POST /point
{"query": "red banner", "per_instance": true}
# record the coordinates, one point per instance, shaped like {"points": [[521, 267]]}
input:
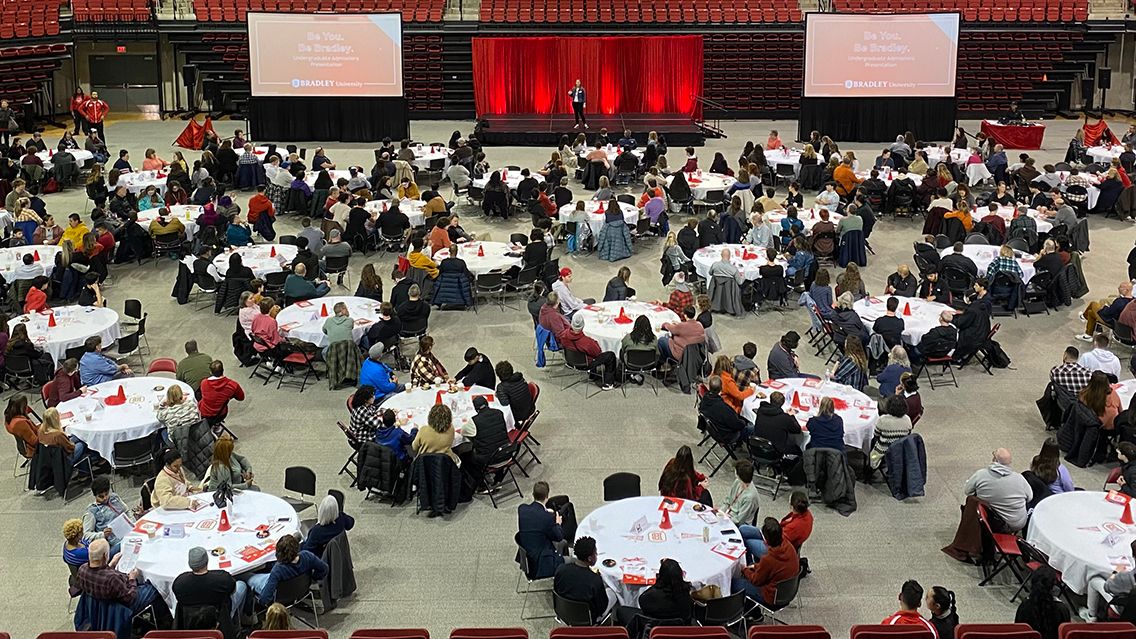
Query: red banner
{"points": [[621, 75]]}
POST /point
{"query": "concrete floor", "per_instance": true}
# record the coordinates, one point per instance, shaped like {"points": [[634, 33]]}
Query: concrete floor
{"points": [[441, 574]]}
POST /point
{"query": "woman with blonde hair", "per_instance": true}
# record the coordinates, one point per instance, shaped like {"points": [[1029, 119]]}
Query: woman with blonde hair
{"points": [[849, 155], [735, 390], [438, 437], [178, 416], [276, 618], [229, 467], [673, 252], [74, 546], [51, 434], [808, 155]]}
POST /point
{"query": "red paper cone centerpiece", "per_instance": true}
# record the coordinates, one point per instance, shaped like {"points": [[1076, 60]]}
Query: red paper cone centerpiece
{"points": [[600, 209], [121, 393], [1126, 516], [438, 398], [797, 401], [907, 308], [666, 523], [223, 524], [51, 320], [35, 256], [481, 251], [323, 310], [272, 252]]}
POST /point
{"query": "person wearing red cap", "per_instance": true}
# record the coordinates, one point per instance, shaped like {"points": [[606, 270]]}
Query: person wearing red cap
{"points": [[569, 303]]}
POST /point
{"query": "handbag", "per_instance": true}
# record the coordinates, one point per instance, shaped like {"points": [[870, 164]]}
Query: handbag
{"points": [[707, 593], [13, 126]]}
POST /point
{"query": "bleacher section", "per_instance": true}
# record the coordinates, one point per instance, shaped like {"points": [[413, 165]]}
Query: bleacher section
{"points": [[111, 10], [25, 72], [977, 10], [214, 11], [636, 12], [994, 68], [28, 19], [734, 60]]}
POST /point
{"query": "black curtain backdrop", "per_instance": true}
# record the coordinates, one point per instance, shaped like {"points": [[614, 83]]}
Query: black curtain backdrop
{"points": [[328, 119], [877, 119]]}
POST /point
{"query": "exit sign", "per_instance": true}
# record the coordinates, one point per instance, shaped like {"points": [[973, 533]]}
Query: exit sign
{"points": [[120, 49]]}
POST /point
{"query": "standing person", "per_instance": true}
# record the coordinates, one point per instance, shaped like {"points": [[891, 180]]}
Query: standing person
{"points": [[7, 118], [579, 103], [77, 100], [95, 111]]}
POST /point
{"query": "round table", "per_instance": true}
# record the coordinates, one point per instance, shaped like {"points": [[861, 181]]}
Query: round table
{"points": [[412, 209], [1093, 189], [612, 153], [413, 407], [924, 315], [304, 320], [1104, 155], [935, 155], [1125, 390], [1007, 213], [627, 532], [703, 183], [90, 419], [311, 175], [858, 411], [596, 219], [137, 181], [73, 325], [12, 258], [888, 176], [499, 256], [259, 258], [424, 156], [808, 217], [187, 213], [81, 157], [784, 155], [161, 559], [600, 324], [1071, 528], [984, 254], [747, 259], [510, 178]]}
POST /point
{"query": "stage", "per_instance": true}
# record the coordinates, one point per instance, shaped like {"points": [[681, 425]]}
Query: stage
{"points": [[540, 129]]}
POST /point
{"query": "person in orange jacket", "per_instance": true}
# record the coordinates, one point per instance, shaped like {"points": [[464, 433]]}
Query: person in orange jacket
{"points": [[734, 391], [759, 581]]}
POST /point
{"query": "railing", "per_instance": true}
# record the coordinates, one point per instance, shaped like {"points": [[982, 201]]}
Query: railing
{"points": [[715, 129]]}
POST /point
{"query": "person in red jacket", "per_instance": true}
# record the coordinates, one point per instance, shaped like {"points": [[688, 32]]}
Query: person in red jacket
{"points": [[680, 335], [575, 339], [262, 214], [780, 563], [910, 598], [66, 384], [77, 100], [216, 392], [36, 299], [94, 111]]}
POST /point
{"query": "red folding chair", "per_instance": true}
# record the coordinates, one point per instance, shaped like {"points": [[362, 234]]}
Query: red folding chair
{"points": [[162, 365], [689, 632], [788, 632], [184, 634], [489, 633], [1109, 630], [995, 631], [308, 633], [76, 634], [391, 633], [588, 632], [863, 631], [1005, 547]]}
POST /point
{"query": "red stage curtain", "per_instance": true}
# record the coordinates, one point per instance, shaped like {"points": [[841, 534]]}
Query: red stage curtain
{"points": [[656, 74]]}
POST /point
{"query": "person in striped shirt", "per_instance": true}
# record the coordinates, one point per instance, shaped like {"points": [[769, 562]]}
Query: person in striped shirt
{"points": [[910, 598]]}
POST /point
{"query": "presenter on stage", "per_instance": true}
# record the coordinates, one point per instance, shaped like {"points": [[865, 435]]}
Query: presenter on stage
{"points": [[579, 101]]}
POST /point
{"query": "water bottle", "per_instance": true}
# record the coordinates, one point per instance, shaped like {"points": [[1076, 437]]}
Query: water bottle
{"points": [[827, 374]]}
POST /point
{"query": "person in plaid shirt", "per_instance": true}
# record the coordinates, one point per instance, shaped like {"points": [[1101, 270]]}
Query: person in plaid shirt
{"points": [[1069, 375], [1005, 263], [100, 579], [681, 297]]}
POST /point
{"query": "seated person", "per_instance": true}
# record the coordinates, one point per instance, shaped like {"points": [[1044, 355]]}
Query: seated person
{"points": [[679, 479], [379, 376], [910, 598], [668, 598], [901, 282], [796, 528], [539, 534], [290, 562], [742, 501], [577, 580], [101, 580], [330, 523], [601, 364], [297, 286], [714, 408], [934, 290], [96, 368], [894, 425], [201, 588], [776, 425], [941, 340], [478, 370], [890, 326], [107, 507], [780, 562]]}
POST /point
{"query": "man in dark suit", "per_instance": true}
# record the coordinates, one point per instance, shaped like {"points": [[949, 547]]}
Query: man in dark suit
{"points": [[539, 534], [487, 432], [956, 259], [776, 425], [577, 581], [715, 409]]}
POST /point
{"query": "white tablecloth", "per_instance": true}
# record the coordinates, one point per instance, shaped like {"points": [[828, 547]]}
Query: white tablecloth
{"points": [[702, 183], [258, 258], [690, 541], [984, 254], [808, 217], [12, 258], [412, 209], [137, 181], [510, 178], [81, 157], [1104, 155], [186, 213], [595, 219], [612, 153], [1007, 213], [784, 155], [1071, 528], [73, 325], [705, 257], [859, 413], [164, 558], [311, 174], [424, 155], [924, 315], [600, 324], [497, 256], [977, 173], [101, 426], [1126, 390], [1093, 189], [413, 407], [887, 177], [304, 320], [935, 155]]}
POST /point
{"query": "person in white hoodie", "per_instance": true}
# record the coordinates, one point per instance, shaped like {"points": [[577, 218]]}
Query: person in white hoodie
{"points": [[1004, 491], [1100, 358]]}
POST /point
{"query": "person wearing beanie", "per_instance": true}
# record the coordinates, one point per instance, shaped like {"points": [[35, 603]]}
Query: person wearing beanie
{"points": [[478, 370], [200, 587], [601, 363], [569, 303]]}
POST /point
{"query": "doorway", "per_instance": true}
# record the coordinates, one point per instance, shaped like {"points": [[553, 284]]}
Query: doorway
{"points": [[128, 83]]}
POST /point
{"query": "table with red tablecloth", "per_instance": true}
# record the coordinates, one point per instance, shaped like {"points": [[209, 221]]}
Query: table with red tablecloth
{"points": [[1015, 136]]}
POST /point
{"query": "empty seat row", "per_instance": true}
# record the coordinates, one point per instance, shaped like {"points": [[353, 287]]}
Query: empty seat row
{"points": [[32, 19], [237, 10], [625, 11], [111, 10]]}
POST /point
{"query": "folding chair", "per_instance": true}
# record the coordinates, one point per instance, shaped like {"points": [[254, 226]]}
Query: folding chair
{"points": [[1004, 547]]}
